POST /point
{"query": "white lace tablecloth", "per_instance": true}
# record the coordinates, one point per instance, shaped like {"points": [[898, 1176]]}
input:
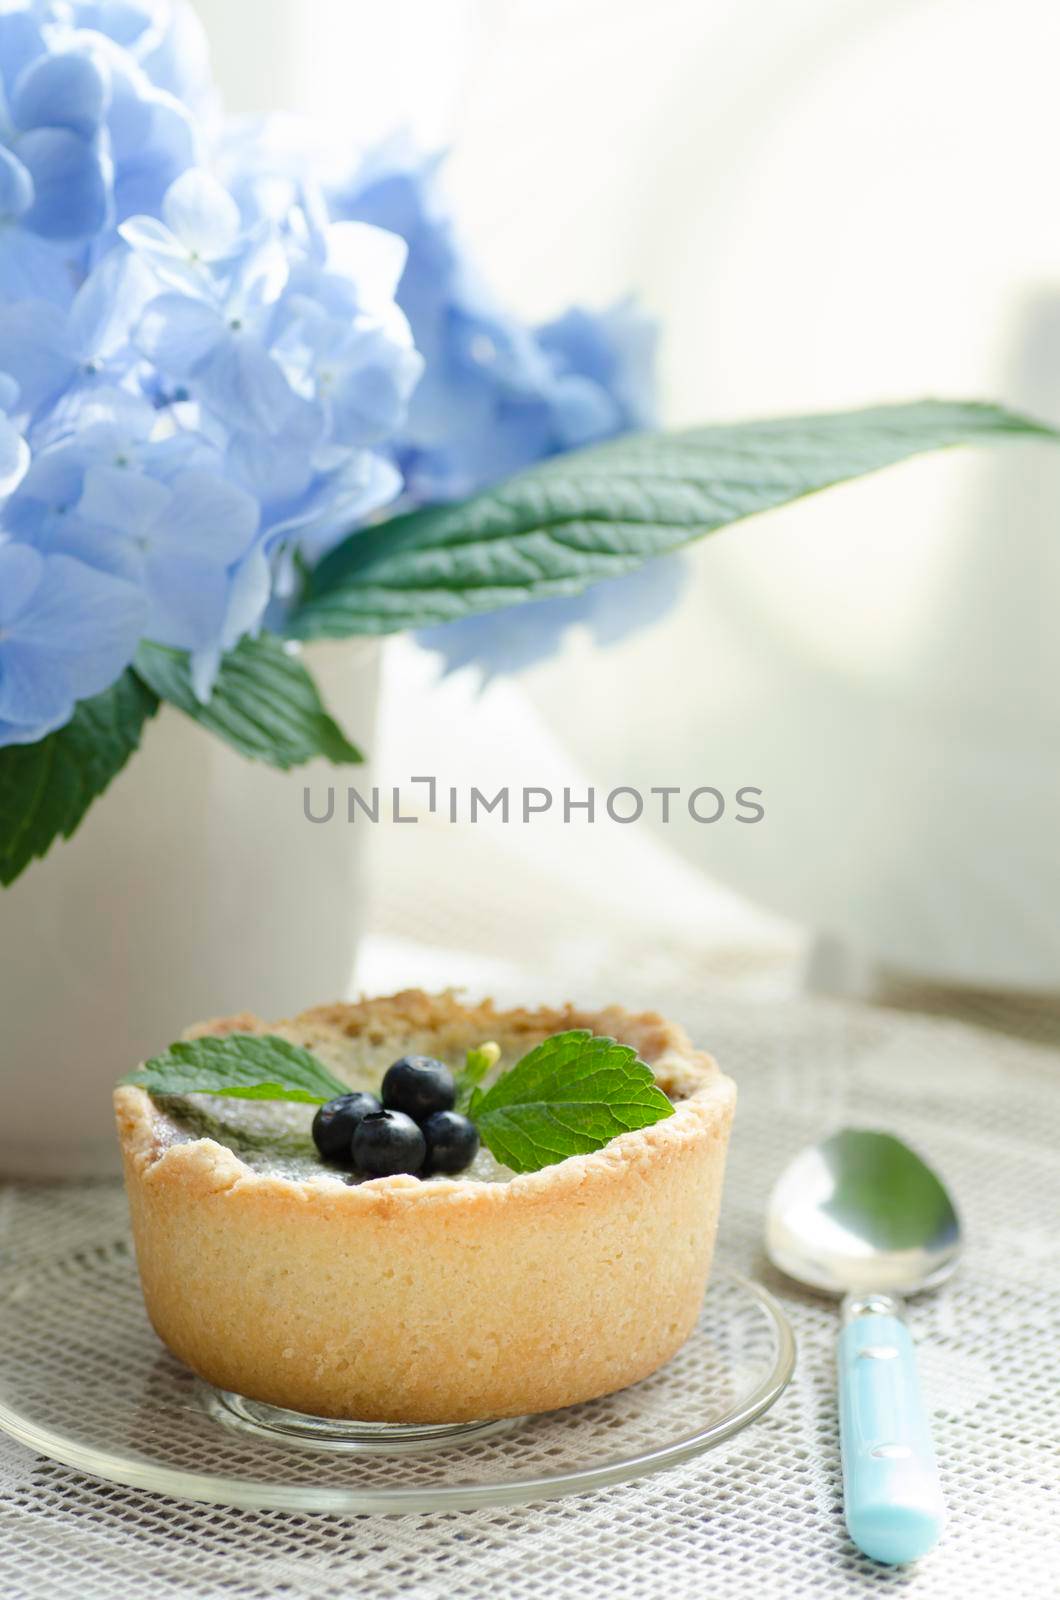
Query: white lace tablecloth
{"points": [[760, 1516]]}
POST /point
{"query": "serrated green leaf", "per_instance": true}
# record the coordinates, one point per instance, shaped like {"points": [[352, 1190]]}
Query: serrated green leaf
{"points": [[597, 513], [264, 702], [570, 1095], [241, 1066], [46, 788]]}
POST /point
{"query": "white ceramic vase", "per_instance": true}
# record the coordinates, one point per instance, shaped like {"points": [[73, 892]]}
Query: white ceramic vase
{"points": [[194, 887]]}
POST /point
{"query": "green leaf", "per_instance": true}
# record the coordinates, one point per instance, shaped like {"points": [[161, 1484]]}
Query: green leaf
{"points": [[570, 1095], [478, 1064], [46, 788], [600, 512], [264, 702], [241, 1066]]}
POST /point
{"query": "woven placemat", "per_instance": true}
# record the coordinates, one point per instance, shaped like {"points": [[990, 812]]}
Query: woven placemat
{"points": [[761, 1516]]}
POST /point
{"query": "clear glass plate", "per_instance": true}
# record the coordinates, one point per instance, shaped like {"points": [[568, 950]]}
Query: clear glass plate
{"points": [[84, 1381]]}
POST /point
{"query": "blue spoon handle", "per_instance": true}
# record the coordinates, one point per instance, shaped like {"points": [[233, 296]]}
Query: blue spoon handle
{"points": [[893, 1501]]}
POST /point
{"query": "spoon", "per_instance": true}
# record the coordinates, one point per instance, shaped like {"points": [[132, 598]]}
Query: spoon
{"points": [[859, 1215]]}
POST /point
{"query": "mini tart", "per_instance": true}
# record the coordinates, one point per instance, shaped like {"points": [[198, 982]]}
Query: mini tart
{"points": [[445, 1301]]}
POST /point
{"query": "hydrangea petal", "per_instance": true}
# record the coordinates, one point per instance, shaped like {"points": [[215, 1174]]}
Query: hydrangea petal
{"points": [[20, 43], [613, 349], [109, 304], [35, 348], [277, 471], [243, 384], [16, 186], [14, 456], [123, 502], [32, 269], [162, 253], [29, 691], [178, 333], [370, 394], [157, 142], [202, 215], [95, 546], [187, 602], [341, 502], [583, 411], [166, 39], [74, 634], [60, 91], [123, 21], [112, 418], [259, 278], [207, 518], [32, 732], [248, 596], [232, 371], [174, 53], [21, 570], [51, 485], [370, 257], [70, 180], [85, 615]]}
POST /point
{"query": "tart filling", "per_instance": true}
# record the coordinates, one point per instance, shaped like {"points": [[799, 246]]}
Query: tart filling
{"points": [[443, 1299], [277, 1136]]}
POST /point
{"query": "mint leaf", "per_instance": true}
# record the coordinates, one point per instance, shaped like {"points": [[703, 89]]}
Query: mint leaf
{"points": [[596, 513], [476, 1067], [243, 1066], [570, 1095], [46, 788], [264, 703]]}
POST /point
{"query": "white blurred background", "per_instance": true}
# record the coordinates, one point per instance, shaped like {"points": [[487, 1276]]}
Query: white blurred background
{"points": [[827, 203]]}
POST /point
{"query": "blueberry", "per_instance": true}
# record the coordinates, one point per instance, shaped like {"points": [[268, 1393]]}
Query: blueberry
{"points": [[334, 1124], [385, 1142], [418, 1086], [452, 1141]]}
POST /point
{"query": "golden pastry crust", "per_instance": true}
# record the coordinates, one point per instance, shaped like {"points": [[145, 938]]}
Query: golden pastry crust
{"points": [[449, 1301]]}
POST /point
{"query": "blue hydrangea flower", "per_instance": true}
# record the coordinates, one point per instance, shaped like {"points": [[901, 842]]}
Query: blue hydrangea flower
{"points": [[291, 341], [206, 411], [160, 513], [54, 351], [205, 384], [497, 396]]}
